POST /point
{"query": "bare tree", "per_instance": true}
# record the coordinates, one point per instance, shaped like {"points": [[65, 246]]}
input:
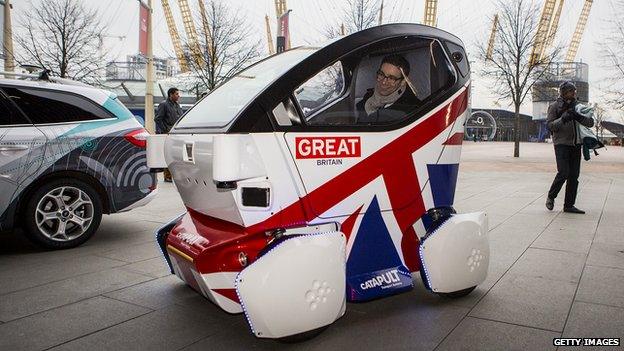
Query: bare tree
{"points": [[599, 117], [613, 57], [62, 36], [509, 65], [357, 15], [224, 46]]}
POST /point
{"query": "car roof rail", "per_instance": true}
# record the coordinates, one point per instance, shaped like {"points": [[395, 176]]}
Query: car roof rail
{"points": [[42, 75], [67, 81], [19, 75]]}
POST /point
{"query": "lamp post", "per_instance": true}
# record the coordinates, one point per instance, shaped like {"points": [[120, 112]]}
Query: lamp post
{"points": [[149, 79], [9, 62]]}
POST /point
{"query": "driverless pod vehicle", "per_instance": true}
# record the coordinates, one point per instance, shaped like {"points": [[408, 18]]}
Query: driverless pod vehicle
{"points": [[68, 153], [295, 205]]}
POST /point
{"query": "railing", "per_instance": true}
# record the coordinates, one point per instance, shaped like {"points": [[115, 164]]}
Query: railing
{"points": [[131, 71], [561, 71]]}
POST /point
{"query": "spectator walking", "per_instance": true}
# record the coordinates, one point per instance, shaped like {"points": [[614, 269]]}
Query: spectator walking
{"points": [[167, 114], [562, 120]]}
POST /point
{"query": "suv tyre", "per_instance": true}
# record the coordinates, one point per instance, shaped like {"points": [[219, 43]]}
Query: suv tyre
{"points": [[62, 214]]}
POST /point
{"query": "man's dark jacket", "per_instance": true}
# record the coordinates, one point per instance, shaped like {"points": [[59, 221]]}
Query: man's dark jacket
{"points": [[167, 114], [564, 133], [405, 104]]}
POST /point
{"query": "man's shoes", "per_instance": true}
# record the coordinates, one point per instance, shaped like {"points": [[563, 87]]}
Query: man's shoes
{"points": [[550, 203], [573, 209], [167, 175]]}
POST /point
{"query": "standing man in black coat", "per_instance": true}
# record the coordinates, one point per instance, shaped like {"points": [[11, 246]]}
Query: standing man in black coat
{"points": [[167, 114], [562, 119]]}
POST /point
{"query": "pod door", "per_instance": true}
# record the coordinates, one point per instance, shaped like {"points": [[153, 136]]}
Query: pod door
{"points": [[362, 131]]}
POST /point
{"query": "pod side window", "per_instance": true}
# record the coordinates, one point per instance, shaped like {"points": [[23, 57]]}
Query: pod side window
{"points": [[381, 85]]}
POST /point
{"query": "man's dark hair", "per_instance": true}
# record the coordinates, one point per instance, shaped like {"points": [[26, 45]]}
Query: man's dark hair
{"points": [[399, 61], [171, 91], [565, 87]]}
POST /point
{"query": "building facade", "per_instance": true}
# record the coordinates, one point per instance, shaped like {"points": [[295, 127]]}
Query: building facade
{"points": [[500, 125]]}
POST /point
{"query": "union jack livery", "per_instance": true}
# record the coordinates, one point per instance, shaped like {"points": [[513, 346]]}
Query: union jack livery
{"points": [[299, 200]]}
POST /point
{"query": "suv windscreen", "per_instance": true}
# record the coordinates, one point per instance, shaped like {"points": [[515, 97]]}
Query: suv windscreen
{"points": [[224, 103], [47, 106]]}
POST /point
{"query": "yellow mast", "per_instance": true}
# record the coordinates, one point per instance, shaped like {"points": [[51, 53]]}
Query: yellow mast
{"points": [[552, 32], [191, 33], [490, 48], [269, 36], [431, 12], [207, 34], [280, 7], [175, 37], [578, 32], [542, 32]]}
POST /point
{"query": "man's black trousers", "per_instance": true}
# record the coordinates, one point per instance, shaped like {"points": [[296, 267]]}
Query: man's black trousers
{"points": [[568, 168]]}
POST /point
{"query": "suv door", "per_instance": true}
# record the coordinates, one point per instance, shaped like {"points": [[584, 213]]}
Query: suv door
{"points": [[22, 146]]}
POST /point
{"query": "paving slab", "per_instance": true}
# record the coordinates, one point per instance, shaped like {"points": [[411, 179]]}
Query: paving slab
{"points": [[170, 328], [610, 234], [510, 235], [528, 301], [580, 225], [403, 325], [17, 251], [594, 321], [124, 225], [496, 270], [23, 277], [606, 255], [155, 294], [238, 337], [564, 240], [508, 205], [482, 335], [134, 253], [602, 285], [59, 325], [550, 264], [494, 220], [155, 267], [41, 298]]}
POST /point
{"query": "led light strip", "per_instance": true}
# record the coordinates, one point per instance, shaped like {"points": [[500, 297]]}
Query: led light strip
{"points": [[166, 254], [420, 250]]}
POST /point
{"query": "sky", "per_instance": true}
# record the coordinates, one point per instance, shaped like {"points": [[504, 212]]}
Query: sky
{"points": [[470, 20]]}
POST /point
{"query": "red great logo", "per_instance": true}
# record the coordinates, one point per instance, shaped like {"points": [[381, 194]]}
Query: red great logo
{"points": [[327, 147]]}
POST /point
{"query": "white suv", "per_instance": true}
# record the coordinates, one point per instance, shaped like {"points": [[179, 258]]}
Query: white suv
{"points": [[68, 153]]}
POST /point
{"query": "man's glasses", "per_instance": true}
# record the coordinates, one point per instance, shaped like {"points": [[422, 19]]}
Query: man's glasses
{"points": [[392, 79]]}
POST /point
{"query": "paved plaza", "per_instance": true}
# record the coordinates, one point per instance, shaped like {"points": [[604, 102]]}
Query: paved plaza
{"points": [[552, 274]]}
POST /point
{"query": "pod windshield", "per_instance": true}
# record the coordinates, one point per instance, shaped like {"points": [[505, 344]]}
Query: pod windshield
{"points": [[223, 104]]}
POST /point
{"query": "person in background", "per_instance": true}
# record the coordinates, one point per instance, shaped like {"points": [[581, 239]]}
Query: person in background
{"points": [[167, 114], [562, 119]]}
